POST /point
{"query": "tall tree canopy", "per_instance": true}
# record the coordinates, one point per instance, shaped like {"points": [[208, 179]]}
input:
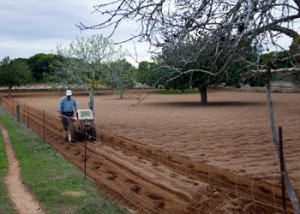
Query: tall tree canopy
{"points": [[147, 73], [39, 65], [14, 73]]}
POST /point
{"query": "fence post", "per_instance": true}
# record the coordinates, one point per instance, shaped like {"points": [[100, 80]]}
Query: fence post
{"points": [[44, 126], [282, 170], [28, 116], [0, 101], [24, 114], [18, 112], [85, 158]]}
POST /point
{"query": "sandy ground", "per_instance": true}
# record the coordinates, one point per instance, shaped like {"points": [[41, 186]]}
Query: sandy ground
{"points": [[23, 201], [232, 132]]}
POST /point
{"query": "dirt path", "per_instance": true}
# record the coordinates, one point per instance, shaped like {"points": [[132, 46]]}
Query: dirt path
{"points": [[23, 200]]}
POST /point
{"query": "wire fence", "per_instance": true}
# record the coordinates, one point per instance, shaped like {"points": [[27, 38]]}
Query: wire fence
{"points": [[217, 190]]}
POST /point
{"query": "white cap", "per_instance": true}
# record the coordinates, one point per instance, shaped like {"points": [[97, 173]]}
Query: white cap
{"points": [[69, 93]]}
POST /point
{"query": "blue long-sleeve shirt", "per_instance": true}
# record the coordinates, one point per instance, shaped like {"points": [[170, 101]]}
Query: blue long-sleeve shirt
{"points": [[66, 105]]}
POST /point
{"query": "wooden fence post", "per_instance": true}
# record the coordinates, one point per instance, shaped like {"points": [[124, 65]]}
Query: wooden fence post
{"points": [[24, 114], [44, 126], [282, 170], [28, 116], [18, 113], [85, 159]]}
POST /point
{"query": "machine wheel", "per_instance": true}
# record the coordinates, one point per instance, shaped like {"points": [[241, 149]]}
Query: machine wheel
{"points": [[72, 133], [92, 133], [80, 136]]}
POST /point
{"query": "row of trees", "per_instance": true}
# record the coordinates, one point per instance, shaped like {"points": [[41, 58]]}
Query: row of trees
{"points": [[87, 63], [39, 64], [157, 73], [118, 73]]}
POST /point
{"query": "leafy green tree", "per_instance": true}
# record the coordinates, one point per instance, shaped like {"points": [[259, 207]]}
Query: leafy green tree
{"points": [[120, 75], [181, 73], [14, 73], [39, 64], [148, 74], [81, 65]]}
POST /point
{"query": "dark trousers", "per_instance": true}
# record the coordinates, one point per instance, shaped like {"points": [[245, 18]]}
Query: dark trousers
{"points": [[65, 120]]}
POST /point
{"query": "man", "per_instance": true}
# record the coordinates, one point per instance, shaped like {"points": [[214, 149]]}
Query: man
{"points": [[66, 109]]}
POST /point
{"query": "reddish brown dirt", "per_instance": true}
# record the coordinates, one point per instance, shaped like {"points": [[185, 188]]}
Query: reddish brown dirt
{"points": [[177, 146]]}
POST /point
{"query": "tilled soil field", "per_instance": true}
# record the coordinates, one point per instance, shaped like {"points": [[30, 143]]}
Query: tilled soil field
{"points": [[171, 155]]}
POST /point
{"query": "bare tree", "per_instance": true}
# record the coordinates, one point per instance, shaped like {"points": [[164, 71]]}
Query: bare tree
{"points": [[82, 63], [120, 75], [225, 28], [225, 25]]}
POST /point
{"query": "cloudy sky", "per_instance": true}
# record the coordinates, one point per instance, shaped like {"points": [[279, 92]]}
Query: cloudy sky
{"points": [[29, 27]]}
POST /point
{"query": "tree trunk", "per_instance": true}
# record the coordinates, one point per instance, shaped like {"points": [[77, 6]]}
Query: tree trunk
{"points": [[9, 91], [91, 92], [91, 103], [121, 93], [203, 93]]}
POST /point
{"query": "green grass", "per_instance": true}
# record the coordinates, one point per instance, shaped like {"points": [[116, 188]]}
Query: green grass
{"points": [[188, 91], [48, 174], [5, 203]]}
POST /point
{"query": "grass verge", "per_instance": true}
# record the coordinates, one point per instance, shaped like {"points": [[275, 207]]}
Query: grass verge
{"points": [[5, 203], [51, 177]]}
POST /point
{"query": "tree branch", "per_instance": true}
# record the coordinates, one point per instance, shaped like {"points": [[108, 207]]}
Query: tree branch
{"points": [[277, 71]]}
